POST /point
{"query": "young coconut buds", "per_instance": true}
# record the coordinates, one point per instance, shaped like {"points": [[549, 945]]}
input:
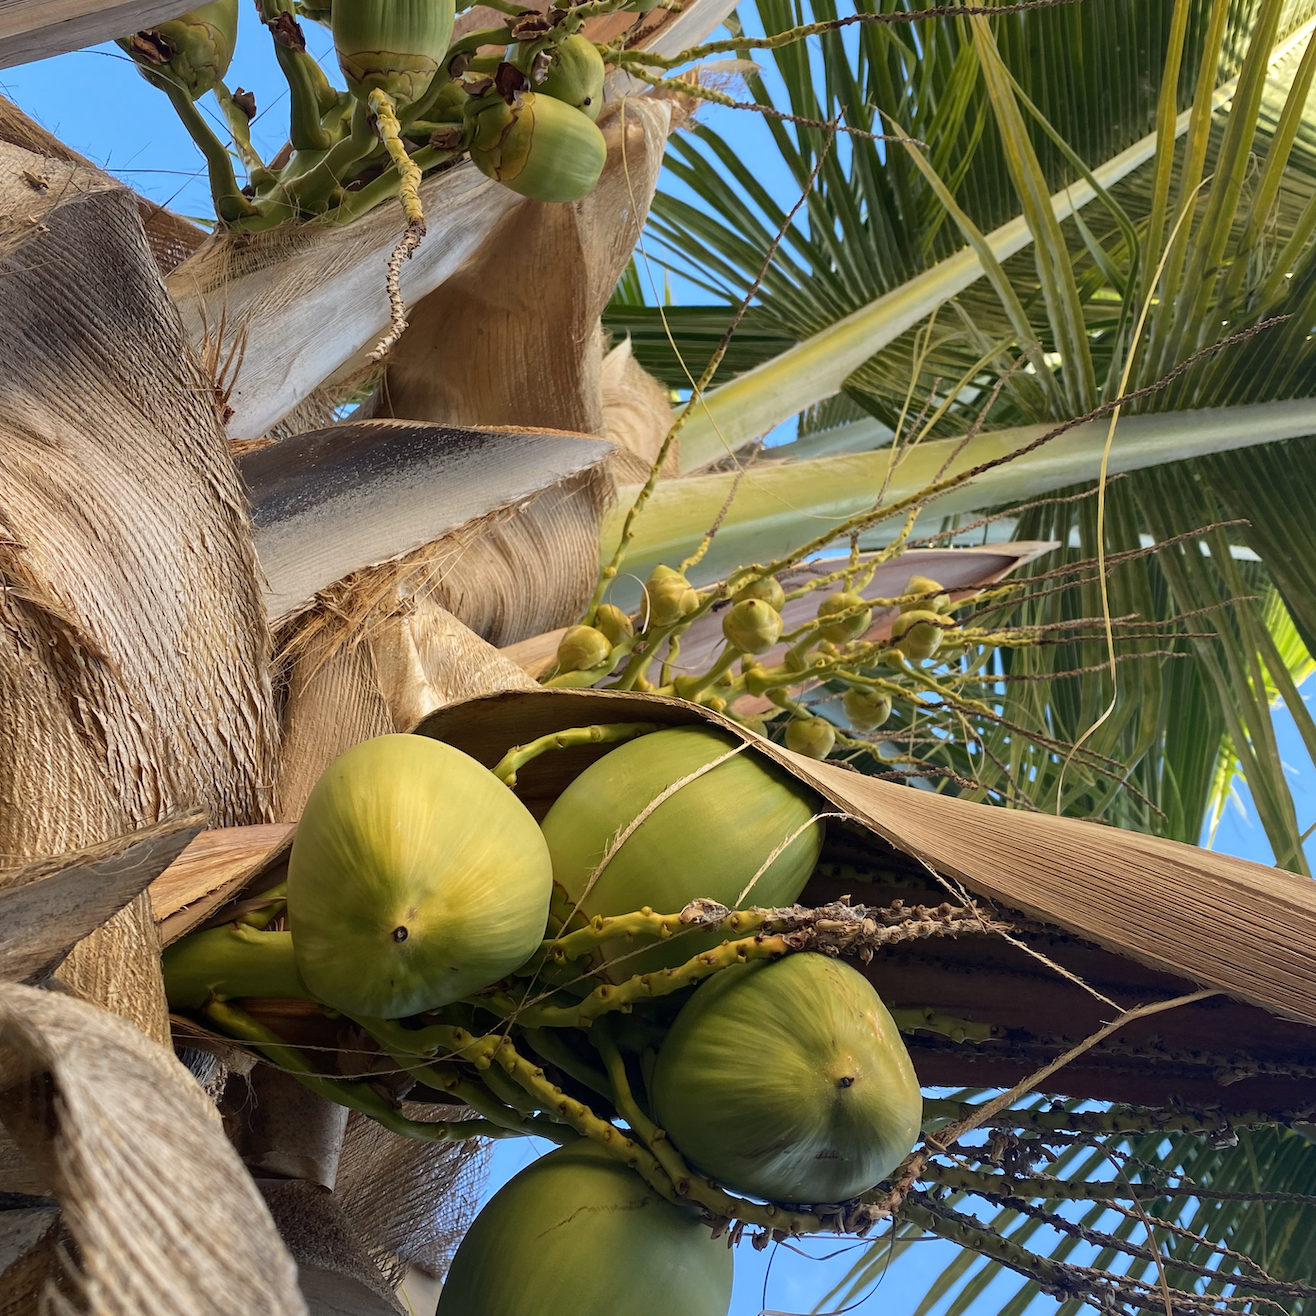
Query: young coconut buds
{"points": [[616, 1247], [670, 597], [768, 588], [416, 877], [581, 648], [845, 628], [814, 737], [926, 586], [540, 147], [614, 623], [575, 75], [866, 709], [829, 1104], [710, 838], [189, 54], [752, 626], [917, 634]]}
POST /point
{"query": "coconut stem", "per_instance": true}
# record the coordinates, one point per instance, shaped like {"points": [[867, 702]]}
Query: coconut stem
{"points": [[355, 1096], [518, 756]]}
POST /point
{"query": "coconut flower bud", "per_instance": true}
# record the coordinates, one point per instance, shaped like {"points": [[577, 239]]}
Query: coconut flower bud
{"points": [[847, 628], [614, 623], [575, 74], [752, 626], [539, 147], [916, 634], [866, 709], [192, 52], [925, 585], [768, 589], [581, 648], [812, 736], [670, 597]]}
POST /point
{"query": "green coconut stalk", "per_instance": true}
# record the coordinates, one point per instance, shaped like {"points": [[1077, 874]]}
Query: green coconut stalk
{"points": [[616, 1246], [416, 877], [190, 53], [311, 96], [616, 847], [233, 961], [789, 1081], [539, 147]]}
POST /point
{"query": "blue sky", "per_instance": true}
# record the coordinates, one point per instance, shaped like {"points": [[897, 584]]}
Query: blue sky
{"points": [[95, 101]]}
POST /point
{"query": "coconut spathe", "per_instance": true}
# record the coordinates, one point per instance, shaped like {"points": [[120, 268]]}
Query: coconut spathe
{"points": [[416, 878], [788, 1080]]}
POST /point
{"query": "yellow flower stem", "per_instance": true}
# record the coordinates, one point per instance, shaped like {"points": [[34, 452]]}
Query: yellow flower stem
{"points": [[518, 756], [390, 130], [583, 941], [608, 997], [691, 687]]}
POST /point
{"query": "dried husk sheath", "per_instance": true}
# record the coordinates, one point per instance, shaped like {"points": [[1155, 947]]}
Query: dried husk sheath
{"points": [[133, 668], [161, 1217]]}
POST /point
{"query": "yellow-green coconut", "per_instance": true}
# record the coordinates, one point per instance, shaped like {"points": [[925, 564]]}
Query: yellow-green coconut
{"points": [[788, 1080], [580, 1234], [712, 838], [416, 878]]}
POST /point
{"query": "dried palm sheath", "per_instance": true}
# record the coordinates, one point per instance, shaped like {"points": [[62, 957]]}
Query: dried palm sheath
{"points": [[209, 871], [374, 536], [533, 362], [133, 665], [637, 414], [46, 908], [500, 529], [36, 29], [1133, 917], [171, 237], [161, 1216]]}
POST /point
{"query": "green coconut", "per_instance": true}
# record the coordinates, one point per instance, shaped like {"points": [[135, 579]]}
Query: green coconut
{"points": [[416, 878], [709, 839], [540, 147], [578, 1232], [575, 74], [788, 1080]]}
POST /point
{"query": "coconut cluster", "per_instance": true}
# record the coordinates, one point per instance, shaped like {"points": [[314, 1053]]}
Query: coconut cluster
{"points": [[426, 906]]}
